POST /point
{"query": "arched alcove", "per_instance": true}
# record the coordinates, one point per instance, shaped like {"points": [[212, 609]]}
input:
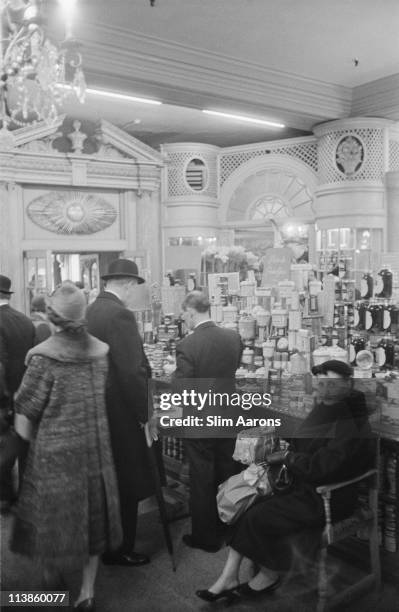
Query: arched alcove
{"points": [[275, 184]]}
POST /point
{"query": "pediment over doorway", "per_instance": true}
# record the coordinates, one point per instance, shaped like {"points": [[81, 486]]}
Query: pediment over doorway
{"points": [[102, 141]]}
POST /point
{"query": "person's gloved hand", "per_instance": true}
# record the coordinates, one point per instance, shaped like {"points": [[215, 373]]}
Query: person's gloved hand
{"points": [[277, 457]]}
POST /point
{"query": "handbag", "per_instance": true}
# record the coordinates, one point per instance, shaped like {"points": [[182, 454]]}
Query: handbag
{"points": [[280, 478], [253, 445], [240, 491]]}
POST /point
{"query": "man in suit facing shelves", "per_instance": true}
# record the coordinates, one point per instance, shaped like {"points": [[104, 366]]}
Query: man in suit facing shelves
{"points": [[211, 353], [17, 336], [111, 321]]}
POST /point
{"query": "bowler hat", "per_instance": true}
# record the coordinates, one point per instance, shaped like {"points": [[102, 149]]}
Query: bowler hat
{"points": [[5, 284], [123, 268], [333, 365]]}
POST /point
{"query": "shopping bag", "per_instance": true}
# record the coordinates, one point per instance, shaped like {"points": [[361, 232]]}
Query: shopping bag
{"points": [[253, 445], [239, 492]]}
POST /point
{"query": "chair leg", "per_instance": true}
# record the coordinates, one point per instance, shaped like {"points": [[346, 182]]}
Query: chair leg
{"points": [[374, 546], [322, 581]]}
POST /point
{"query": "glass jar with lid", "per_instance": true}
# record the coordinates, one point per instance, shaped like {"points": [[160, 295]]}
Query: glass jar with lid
{"points": [[246, 326]]}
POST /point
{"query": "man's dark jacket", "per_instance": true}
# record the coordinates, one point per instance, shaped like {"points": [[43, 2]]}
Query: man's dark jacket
{"points": [[17, 335], [210, 353], [127, 391]]}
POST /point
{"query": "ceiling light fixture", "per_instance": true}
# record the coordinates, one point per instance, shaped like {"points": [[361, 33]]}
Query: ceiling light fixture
{"points": [[33, 66], [271, 124], [120, 96]]}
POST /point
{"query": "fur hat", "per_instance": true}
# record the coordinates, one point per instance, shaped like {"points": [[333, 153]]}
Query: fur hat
{"points": [[68, 302]]}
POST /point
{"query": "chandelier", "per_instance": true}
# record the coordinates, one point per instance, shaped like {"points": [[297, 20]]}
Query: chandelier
{"points": [[37, 73]]}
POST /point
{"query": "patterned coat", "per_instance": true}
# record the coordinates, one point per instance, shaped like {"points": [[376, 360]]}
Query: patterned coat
{"points": [[68, 506]]}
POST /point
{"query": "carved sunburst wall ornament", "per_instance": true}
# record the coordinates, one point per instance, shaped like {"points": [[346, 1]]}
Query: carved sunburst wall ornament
{"points": [[71, 212]]}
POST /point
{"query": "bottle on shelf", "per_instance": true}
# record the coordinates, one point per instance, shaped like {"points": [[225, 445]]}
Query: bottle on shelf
{"points": [[366, 286], [357, 344], [192, 282], [385, 352], [170, 277], [383, 286]]}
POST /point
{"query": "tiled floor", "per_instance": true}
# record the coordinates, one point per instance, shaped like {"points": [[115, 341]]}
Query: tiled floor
{"points": [[156, 588]]}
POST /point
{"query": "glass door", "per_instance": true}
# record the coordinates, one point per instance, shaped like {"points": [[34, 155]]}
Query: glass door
{"points": [[38, 271]]}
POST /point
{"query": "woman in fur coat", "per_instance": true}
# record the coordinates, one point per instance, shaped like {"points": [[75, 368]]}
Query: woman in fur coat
{"points": [[68, 509]]}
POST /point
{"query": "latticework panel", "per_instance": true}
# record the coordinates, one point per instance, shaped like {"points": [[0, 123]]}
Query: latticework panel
{"points": [[371, 166], [305, 152], [394, 154], [177, 164]]}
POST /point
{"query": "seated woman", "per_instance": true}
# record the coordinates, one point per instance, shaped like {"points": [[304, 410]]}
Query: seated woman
{"points": [[329, 446]]}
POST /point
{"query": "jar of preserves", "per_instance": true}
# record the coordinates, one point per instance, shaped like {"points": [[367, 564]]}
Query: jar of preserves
{"points": [[262, 317], [246, 326], [247, 357]]}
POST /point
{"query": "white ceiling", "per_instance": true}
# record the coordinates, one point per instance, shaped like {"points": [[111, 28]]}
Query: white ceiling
{"points": [[287, 60]]}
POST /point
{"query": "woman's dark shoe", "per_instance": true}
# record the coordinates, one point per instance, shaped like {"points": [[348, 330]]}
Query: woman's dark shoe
{"points": [[226, 593], [246, 591], [87, 605]]}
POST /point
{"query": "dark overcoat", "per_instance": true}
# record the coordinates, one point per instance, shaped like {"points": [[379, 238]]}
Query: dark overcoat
{"points": [[330, 447], [17, 336], [68, 506], [127, 391]]}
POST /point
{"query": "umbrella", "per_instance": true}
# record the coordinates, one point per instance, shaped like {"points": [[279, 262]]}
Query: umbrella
{"points": [[159, 495]]}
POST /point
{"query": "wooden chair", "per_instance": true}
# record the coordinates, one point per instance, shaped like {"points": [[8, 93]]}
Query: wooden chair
{"points": [[334, 532]]}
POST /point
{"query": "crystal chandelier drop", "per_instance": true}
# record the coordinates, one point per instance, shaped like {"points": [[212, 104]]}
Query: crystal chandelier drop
{"points": [[37, 73]]}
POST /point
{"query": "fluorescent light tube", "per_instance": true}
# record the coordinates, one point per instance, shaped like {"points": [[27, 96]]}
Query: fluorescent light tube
{"points": [[119, 96], [247, 119]]}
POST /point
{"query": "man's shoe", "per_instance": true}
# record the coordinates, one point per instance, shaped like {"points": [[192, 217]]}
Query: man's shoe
{"points": [[132, 559], [87, 605], [210, 548]]}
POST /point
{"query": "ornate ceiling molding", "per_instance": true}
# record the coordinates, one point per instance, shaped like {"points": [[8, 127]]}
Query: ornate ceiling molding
{"points": [[182, 71], [129, 145], [380, 97], [122, 161]]}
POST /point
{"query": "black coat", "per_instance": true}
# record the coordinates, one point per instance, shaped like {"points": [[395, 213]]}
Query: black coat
{"points": [[127, 391], [210, 352], [17, 336], [330, 447]]}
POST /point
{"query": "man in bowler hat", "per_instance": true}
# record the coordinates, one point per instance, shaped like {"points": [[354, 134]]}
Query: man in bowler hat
{"points": [[111, 321], [17, 336]]}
